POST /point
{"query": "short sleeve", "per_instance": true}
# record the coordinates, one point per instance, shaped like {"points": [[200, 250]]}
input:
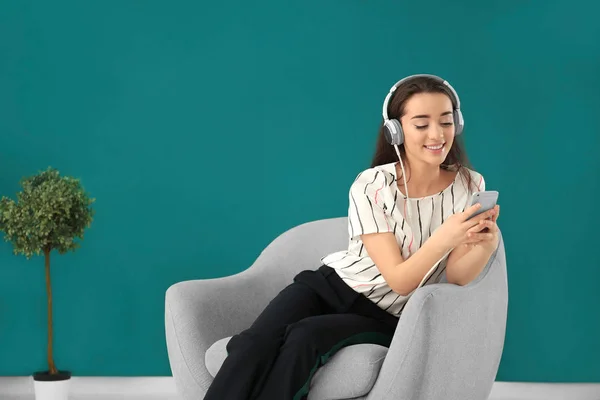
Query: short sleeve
{"points": [[477, 183], [480, 182], [367, 210]]}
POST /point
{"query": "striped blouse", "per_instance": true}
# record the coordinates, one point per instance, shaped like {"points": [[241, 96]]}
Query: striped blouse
{"points": [[377, 205]]}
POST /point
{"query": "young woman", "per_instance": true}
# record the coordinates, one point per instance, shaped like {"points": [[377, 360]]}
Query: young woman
{"points": [[408, 225]]}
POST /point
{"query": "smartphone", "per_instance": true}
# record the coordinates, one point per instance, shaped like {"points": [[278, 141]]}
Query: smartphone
{"points": [[487, 199]]}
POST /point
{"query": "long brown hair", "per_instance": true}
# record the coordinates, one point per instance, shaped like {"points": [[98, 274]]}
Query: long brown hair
{"points": [[385, 153]]}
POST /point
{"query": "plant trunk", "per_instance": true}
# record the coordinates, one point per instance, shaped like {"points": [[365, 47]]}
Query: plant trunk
{"points": [[51, 366]]}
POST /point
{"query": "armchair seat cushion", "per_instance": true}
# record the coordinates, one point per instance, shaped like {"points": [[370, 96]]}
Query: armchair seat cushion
{"points": [[350, 373]]}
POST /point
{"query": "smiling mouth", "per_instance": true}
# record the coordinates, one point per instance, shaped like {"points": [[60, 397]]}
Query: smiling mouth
{"points": [[436, 147]]}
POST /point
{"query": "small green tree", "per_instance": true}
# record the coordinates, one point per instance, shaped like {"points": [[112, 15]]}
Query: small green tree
{"points": [[50, 213]]}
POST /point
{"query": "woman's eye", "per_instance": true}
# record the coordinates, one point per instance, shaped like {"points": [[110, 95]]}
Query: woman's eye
{"points": [[421, 127]]}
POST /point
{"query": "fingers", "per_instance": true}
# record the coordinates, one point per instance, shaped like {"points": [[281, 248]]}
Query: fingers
{"points": [[481, 217], [475, 237], [480, 236], [490, 214], [477, 228], [470, 211], [490, 225], [497, 214], [477, 234]]}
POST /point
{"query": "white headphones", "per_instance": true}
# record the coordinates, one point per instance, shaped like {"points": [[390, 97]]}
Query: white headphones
{"points": [[393, 128]]}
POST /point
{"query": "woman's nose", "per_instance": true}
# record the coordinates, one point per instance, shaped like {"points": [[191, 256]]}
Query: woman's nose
{"points": [[436, 132]]}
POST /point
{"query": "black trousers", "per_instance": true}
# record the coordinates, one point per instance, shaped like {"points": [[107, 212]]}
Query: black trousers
{"points": [[299, 330]]}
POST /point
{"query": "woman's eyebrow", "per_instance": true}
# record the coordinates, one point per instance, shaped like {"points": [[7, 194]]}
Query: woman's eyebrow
{"points": [[427, 115]]}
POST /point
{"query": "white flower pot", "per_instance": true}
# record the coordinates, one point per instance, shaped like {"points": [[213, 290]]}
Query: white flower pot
{"points": [[52, 387]]}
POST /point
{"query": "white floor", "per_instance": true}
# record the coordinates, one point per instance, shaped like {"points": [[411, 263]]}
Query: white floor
{"points": [[163, 388], [97, 397]]}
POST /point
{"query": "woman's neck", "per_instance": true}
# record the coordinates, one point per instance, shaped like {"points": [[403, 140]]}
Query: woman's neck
{"points": [[423, 180]]}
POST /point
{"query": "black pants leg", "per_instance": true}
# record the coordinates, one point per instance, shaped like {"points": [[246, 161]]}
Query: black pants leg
{"points": [[304, 325], [252, 352]]}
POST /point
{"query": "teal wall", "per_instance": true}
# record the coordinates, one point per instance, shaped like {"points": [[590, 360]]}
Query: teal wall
{"points": [[202, 128]]}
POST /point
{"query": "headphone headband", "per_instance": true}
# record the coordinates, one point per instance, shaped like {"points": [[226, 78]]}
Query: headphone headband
{"points": [[401, 81]]}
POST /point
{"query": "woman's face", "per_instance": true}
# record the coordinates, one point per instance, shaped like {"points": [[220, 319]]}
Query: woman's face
{"points": [[428, 127]]}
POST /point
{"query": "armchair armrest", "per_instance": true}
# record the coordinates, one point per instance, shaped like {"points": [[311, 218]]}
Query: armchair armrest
{"points": [[200, 312], [449, 340]]}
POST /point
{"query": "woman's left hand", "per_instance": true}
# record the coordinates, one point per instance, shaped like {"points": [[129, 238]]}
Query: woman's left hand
{"points": [[491, 242]]}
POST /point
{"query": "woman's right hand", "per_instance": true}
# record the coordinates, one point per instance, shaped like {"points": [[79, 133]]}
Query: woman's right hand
{"points": [[454, 230]]}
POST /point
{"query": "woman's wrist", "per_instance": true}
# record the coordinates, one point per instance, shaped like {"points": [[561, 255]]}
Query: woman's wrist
{"points": [[438, 244]]}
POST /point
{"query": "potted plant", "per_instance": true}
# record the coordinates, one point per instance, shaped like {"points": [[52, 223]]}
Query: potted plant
{"points": [[50, 213]]}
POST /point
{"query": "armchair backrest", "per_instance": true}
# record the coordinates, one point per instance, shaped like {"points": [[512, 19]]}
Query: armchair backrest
{"points": [[300, 248]]}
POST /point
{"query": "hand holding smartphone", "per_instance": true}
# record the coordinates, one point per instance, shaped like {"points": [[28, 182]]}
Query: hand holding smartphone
{"points": [[488, 200]]}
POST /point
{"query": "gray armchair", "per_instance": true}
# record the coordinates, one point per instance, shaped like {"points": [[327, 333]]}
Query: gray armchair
{"points": [[448, 343]]}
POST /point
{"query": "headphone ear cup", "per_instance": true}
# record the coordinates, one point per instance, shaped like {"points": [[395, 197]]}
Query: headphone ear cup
{"points": [[393, 132], [459, 122]]}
